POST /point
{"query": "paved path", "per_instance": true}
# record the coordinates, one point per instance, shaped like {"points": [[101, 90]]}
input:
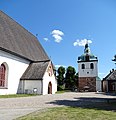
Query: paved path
{"points": [[11, 108]]}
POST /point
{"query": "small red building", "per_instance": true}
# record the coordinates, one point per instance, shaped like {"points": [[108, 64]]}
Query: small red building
{"points": [[109, 82]]}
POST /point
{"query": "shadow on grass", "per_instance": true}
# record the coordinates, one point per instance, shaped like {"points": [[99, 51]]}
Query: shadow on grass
{"points": [[108, 94], [90, 103]]}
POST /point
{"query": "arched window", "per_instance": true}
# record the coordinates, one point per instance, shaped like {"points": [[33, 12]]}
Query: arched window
{"points": [[50, 70], [91, 66], [2, 75], [83, 66]]}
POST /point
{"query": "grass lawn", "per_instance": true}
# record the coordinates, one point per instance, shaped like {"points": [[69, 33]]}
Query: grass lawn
{"points": [[60, 92], [71, 113], [16, 95]]}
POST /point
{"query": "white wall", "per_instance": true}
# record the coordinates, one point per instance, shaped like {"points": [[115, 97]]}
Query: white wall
{"points": [[41, 85], [17, 67], [98, 85], [87, 72], [30, 85], [46, 80]]}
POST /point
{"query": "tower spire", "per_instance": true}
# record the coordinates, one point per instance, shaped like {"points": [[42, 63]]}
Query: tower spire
{"points": [[87, 48]]}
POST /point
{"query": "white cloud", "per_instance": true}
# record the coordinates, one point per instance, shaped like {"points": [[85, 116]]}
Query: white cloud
{"points": [[57, 38], [57, 35], [57, 32], [46, 39], [81, 42]]}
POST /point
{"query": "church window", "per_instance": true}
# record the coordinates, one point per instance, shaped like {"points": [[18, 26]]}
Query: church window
{"points": [[3, 75], [91, 66], [49, 74], [83, 66], [50, 71]]}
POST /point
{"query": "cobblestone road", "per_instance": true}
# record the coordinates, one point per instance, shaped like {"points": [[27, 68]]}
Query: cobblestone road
{"points": [[11, 108]]}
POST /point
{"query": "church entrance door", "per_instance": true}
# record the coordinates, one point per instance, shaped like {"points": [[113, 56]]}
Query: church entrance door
{"points": [[50, 88]]}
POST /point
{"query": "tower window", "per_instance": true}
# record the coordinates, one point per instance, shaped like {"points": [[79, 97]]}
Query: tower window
{"points": [[91, 66], [87, 57], [83, 66]]}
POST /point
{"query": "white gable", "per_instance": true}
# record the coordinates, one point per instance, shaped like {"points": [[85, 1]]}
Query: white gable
{"points": [[49, 77]]}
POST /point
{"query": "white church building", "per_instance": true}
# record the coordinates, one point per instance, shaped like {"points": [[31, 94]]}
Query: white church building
{"points": [[24, 65]]}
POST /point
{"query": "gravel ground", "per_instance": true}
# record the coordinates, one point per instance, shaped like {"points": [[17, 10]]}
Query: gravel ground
{"points": [[12, 108]]}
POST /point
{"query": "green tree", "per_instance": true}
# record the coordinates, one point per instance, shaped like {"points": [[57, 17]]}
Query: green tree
{"points": [[70, 77], [60, 77], [114, 59]]}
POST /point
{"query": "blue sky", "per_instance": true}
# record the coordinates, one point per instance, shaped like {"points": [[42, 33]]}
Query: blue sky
{"points": [[60, 23]]}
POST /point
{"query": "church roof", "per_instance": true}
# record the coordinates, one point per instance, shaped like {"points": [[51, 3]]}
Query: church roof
{"points": [[87, 56], [83, 57], [111, 75], [18, 41], [35, 71]]}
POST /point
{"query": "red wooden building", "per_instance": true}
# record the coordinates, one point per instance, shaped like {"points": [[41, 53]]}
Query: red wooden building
{"points": [[109, 82]]}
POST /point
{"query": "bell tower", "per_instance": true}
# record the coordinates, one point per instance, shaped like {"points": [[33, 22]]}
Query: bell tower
{"points": [[88, 70]]}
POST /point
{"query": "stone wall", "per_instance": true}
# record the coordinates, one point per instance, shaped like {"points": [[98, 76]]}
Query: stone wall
{"points": [[87, 84]]}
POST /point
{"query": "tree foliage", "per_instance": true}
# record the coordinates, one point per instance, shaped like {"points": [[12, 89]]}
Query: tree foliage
{"points": [[61, 70], [114, 59], [70, 77], [60, 76], [68, 80]]}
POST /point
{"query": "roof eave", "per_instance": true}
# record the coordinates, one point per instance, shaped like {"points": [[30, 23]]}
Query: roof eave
{"points": [[13, 53], [87, 61], [31, 78]]}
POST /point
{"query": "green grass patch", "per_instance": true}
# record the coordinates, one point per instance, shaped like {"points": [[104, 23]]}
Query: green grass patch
{"points": [[70, 113], [16, 95], [62, 91], [59, 92]]}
